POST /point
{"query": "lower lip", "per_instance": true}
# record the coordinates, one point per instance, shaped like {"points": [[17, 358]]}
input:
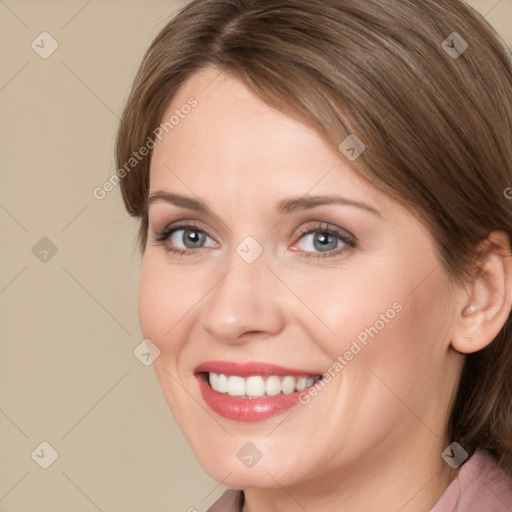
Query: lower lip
{"points": [[246, 409]]}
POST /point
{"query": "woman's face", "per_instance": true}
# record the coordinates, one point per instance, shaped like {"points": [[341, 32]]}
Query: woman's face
{"points": [[269, 287]]}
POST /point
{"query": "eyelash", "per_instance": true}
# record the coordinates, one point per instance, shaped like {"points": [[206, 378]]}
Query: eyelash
{"points": [[349, 240]]}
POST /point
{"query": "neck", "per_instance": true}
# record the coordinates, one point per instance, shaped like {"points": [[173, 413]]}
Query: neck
{"points": [[397, 480]]}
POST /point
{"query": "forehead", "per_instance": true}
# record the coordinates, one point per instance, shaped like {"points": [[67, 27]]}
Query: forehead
{"points": [[231, 139]]}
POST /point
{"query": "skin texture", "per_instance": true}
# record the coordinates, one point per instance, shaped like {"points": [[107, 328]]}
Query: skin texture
{"points": [[372, 438]]}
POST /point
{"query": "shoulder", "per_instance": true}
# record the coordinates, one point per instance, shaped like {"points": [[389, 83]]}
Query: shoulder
{"points": [[230, 501], [481, 485]]}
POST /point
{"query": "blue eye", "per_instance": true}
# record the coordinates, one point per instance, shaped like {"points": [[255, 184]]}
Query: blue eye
{"points": [[189, 236], [323, 241], [318, 241]]}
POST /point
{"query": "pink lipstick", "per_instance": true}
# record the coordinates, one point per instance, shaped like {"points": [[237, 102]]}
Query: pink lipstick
{"points": [[253, 391]]}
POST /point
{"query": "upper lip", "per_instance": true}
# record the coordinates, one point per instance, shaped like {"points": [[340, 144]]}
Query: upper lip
{"points": [[249, 368]]}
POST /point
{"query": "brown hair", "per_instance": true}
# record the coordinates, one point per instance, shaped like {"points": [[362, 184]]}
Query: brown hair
{"points": [[436, 125]]}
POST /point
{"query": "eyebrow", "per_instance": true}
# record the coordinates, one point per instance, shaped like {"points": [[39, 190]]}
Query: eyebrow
{"points": [[306, 202], [178, 200], [284, 206]]}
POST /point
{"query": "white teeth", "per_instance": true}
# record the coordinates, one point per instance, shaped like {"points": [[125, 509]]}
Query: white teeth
{"points": [[236, 385], [273, 385], [214, 380], [288, 384], [301, 383], [222, 386], [257, 385]]}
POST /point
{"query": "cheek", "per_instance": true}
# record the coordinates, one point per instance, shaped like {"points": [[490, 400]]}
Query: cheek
{"points": [[149, 303], [160, 309], [404, 356], [162, 302], [383, 317], [359, 303]]}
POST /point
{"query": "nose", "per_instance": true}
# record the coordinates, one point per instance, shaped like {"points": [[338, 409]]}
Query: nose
{"points": [[243, 304]]}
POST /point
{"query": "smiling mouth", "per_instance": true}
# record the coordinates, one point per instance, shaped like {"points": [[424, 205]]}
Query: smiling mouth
{"points": [[252, 391], [258, 386]]}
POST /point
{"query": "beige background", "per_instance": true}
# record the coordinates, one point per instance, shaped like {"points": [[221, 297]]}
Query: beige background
{"points": [[69, 322]]}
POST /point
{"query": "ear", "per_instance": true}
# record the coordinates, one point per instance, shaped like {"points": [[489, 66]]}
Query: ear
{"points": [[486, 302]]}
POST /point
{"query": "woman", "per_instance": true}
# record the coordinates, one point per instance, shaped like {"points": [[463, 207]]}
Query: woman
{"points": [[325, 230]]}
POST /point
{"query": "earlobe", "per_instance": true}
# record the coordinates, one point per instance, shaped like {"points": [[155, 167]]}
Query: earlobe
{"points": [[470, 310], [487, 296]]}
